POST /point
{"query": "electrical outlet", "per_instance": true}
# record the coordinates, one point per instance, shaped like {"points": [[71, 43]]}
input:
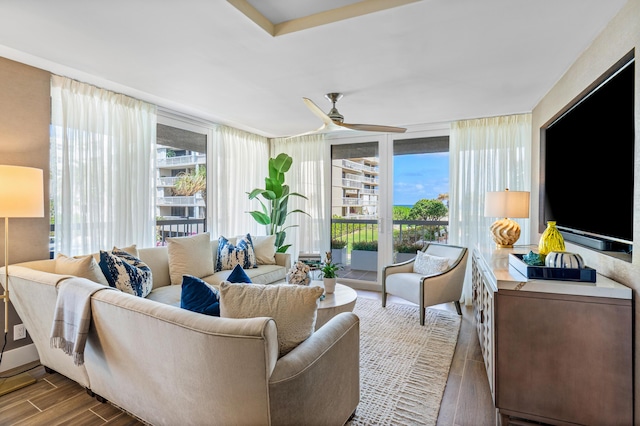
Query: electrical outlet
{"points": [[19, 332]]}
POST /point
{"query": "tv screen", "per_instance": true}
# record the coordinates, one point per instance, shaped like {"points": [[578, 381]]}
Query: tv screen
{"points": [[587, 161]]}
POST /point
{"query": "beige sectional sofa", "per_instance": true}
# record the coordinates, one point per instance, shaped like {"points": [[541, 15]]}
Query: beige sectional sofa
{"points": [[169, 366]]}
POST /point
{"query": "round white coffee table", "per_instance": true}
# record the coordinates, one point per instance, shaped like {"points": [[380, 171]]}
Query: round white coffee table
{"points": [[343, 299]]}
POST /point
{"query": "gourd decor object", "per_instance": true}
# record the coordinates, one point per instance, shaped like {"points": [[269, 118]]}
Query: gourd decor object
{"points": [[551, 240], [556, 259]]}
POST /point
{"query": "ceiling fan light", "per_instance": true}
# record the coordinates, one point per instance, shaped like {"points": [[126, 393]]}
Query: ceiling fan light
{"points": [[335, 115]]}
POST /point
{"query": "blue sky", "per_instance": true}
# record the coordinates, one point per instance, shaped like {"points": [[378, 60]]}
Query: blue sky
{"points": [[418, 176]]}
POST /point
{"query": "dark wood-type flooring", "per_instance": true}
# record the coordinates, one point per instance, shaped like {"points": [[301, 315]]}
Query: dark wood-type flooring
{"points": [[56, 400]]}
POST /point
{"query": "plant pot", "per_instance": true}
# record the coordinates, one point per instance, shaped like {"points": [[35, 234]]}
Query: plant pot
{"points": [[339, 256], [363, 260], [329, 285]]}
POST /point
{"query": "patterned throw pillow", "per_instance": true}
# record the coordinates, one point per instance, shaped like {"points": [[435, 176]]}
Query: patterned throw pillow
{"points": [[199, 297], [230, 255], [427, 264], [126, 272]]}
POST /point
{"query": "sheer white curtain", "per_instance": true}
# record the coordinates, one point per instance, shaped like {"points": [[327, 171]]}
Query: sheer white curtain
{"points": [[488, 154], [242, 163], [306, 177], [103, 153]]}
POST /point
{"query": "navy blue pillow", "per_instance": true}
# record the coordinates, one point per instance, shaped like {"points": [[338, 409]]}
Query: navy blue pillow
{"points": [[238, 275], [197, 296]]}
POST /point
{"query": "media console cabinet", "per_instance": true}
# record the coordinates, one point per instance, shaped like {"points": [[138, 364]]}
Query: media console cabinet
{"points": [[556, 352]]}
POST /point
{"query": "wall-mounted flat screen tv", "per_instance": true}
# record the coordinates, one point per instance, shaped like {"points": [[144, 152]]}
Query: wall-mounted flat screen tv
{"points": [[587, 164]]}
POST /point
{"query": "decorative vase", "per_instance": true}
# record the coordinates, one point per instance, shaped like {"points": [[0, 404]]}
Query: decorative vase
{"points": [[551, 240], [564, 259], [329, 285]]}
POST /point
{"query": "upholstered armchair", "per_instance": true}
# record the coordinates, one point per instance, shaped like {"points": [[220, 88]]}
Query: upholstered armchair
{"points": [[435, 276]]}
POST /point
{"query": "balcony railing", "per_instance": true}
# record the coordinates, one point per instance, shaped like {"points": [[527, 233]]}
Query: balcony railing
{"points": [[359, 178], [178, 228], [408, 235], [352, 183], [181, 200], [357, 166], [182, 160], [167, 181]]}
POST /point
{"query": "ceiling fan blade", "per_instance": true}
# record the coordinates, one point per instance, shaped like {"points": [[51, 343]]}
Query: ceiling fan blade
{"points": [[317, 111], [372, 128]]}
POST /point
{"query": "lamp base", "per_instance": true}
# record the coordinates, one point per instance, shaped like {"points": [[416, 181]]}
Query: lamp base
{"points": [[16, 382], [505, 232]]}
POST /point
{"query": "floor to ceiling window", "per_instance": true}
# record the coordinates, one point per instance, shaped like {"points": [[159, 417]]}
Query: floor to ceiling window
{"points": [[181, 177]]}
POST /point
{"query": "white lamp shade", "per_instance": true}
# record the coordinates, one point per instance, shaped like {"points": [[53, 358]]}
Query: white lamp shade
{"points": [[506, 204], [21, 192]]}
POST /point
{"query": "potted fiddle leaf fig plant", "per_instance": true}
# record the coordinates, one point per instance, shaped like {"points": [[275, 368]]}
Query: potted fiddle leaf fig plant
{"points": [[274, 201]]}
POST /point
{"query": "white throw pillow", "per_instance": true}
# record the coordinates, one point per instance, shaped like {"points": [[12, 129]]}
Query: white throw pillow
{"points": [[427, 264], [81, 266], [265, 249], [293, 307], [190, 256]]}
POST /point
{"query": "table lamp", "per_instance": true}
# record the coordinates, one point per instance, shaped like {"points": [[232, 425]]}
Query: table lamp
{"points": [[21, 195], [506, 204]]}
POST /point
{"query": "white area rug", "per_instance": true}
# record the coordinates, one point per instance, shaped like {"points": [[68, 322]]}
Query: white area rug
{"points": [[403, 365]]}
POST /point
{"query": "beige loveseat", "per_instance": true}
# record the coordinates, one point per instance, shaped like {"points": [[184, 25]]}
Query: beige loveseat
{"points": [[170, 366]]}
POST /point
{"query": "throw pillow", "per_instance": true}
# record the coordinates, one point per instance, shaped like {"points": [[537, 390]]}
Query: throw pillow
{"points": [[81, 266], [238, 276], [190, 256], [199, 297], [247, 241], [126, 272], [230, 255], [427, 264], [293, 307], [265, 249]]}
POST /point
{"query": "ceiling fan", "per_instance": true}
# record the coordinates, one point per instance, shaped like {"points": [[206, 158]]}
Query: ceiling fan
{"points": [[334, 121]]}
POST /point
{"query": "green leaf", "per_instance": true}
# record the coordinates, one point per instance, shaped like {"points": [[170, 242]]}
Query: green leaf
{"points": [[260, 217], [267, 194], [280, 236], [298, 195], [283, 249], [283, 162], [274, 187]]}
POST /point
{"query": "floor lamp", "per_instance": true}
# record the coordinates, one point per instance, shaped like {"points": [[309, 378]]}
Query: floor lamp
{"points": [[21, 195]]}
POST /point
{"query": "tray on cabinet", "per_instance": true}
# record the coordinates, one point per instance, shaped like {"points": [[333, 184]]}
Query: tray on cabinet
{"points": [[585, 274]]}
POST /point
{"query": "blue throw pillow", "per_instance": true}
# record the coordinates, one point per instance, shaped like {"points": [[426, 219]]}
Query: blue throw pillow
{"points": [[238, 276], [197, 296], [126, 272]]}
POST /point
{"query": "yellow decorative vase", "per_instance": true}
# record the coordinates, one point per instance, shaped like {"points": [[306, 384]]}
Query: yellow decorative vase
{"points": [[551, 240]]}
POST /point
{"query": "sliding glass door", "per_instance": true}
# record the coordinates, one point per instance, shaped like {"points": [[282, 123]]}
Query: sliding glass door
{"points": [[355, 208], [389, 197]]}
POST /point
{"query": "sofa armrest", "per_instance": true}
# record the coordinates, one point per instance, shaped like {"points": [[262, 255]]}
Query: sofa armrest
{"points": [[283, 259], [327, 365]]}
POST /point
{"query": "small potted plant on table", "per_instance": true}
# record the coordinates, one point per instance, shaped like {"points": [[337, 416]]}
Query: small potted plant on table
{"points": [[328, 270]]}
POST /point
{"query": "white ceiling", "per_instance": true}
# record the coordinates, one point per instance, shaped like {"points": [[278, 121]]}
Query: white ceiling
{"points": [[425, 62]]}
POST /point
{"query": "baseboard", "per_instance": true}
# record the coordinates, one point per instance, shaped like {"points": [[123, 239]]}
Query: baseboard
{"points": [[19, 356]]}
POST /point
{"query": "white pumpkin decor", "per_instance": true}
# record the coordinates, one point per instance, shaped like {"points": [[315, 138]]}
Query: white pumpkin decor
{"points": [[563, 259]]}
